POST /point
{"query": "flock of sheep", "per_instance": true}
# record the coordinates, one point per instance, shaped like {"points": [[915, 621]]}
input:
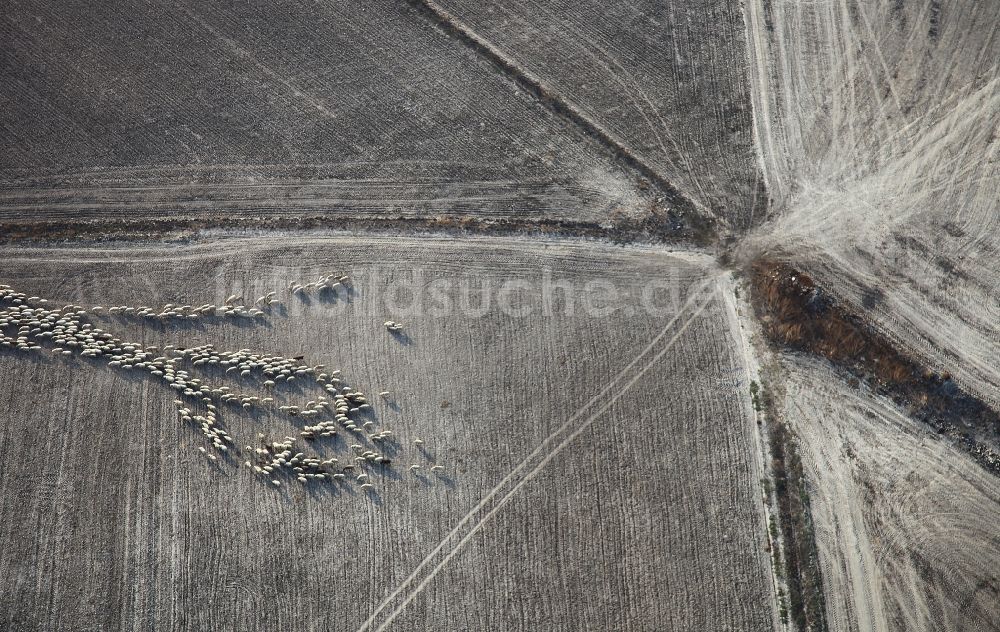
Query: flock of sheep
{"points": [[27, 323]]}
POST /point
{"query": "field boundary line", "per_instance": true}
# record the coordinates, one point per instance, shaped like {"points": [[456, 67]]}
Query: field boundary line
{"points": [[761, 451], [693, 298], [454, 28]]}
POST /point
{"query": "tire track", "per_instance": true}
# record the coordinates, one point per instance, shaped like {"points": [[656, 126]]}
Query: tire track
{"points": [[764, 141], [633, 91], [534, 86], [242, 53], [550, 453]]}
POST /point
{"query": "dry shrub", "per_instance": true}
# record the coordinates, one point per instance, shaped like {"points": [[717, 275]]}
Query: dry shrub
{"points": [[796, 313]]}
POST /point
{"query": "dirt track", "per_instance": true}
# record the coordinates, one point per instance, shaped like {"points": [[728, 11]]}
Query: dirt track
{"points": [[906, 524], [875, 124]]}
